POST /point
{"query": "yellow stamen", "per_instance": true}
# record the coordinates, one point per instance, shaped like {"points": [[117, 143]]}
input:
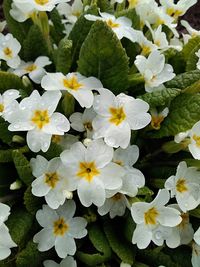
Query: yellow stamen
{"points": [[40, 118], [72, 83], [87, 170], [1, 108], [76, 14], [118, 115], [51, 179], [145, 50], [56, 139], [181, 185], [174, 13], [8, 52], [31, 68], [156, 121], [196, 139], [60, 227], [150, 216], [133, 3], [42, 2], [112, 24]]}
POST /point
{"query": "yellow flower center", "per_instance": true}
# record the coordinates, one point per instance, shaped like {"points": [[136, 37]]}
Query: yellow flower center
{"points": [[133, 3], [159, 21], [42, 2], [31, 68], [145, 50], [118, 115], [181, 185], [8, 52], [51, 179], [60, 227], [196, 139], [87, 170], [88, 126], [157, 42], [76, 14], [56, 139], [1, 108], [150, 216], [117, 197], [40, 118], [174, 13], [156, 121], [72, 83], [112, 24]]}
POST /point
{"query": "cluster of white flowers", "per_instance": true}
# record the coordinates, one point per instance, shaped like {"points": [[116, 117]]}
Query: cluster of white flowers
{"points": [[98, 164]]}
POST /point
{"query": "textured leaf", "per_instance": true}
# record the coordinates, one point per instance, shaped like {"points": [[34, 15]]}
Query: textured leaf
{"points": [[104, 58], [9, 81], [161, 97], [192, 44], [184, 113], [99, 241], [192, 58], [184, 80], [64, 56], [129, 227], [145, 191], [32, 203], [6, 155], [123, 249], [58, 26], [22, 166], [19, 224], [5, 135], [104, 6]]}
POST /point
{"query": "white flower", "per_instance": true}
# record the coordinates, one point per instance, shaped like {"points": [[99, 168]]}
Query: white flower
{"points": [[7, 99], [74, 83], [121, 25], [59, 229], [35, 114], [93, 170], [35, 70], [67, 262], [154, 70], [146, 45], [9, 49], [197, 236], [5, 239], [71, 11], [192, 32], [178, 138], [116, 116], [158, 117], [194, 146], [198, 55], [149, 216], [195, 255], [116, 1], [82, 122], [38, 5], [19, 14], [185, 186], [52, 181]]}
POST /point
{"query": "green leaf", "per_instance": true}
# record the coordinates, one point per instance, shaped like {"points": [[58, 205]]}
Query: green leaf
{"points": [[192, 44], [5, 135], [64, 56], [104, 58], [32, 203], [161, 97], [183, 114], [129, 227], [22, 166], [100, 243], [19, 224], [9, 81], [80, 30], [192, 57], [58, 26], [184, 80], [6, 155], [118, 244], [144, 191], [35, 44], [104, 6], [54, 151]]}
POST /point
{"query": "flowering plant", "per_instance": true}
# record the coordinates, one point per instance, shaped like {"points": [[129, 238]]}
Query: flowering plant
{"points": [[99, 134]]}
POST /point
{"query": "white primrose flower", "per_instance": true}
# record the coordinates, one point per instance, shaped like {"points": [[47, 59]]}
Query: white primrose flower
{"points": [[117, 116], [6, 242], [82, 122], [149, 216], [154, 70], [19, 14], [146, 45], [194, 146], [192, 32], [7, 99], [36, 115], [52, 181], [158, 117], [2, 25], [178, 138], [195, 255], [71, 11], [35, 70], [59, 229], [65, 141], [185, 186], [75, 84], [121, 26], [93, 170], [38, 5], [9, 49], [67, 262], [197, 236]]}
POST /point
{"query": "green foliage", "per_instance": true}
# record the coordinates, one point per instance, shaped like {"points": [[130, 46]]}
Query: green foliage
{"points": [[192, 59], [5, 135], [32, 203], [22, 166], [53, 151], [58, 26], [161, 97], [104, 6], [64, 56], [188, 48], [104, 58], [100, 243], [5, 155], [9, 81]]}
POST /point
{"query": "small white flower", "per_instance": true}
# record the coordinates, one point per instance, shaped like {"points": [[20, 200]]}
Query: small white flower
{"points": [[158, 117], [71, 11], [121, 25], [195, 255], [52, 180], [67, 262], [74, 83], [19, 14], [59, 229], [146, 45], [154, 70], [35, 70], [93, 170], [116, 116], [82, 122], [192, 32], [149, 216], [194, 146], [178, 138], [4, 212], [36, 115], [7, 99], [185, 186], [9, 49]]}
